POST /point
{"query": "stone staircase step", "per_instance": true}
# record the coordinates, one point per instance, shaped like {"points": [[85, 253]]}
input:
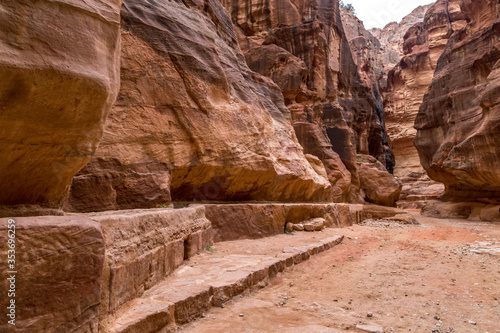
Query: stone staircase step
{"points": [[211, 280]]}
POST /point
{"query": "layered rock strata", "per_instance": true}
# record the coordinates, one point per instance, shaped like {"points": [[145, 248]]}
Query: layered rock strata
{"points": [[407, 83], [192, 121], [59, 80], [458, 121], [302, 47], [391, 39]]}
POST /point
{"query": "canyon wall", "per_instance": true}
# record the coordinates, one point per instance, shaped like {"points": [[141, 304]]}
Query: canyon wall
{"points": [[303, 48], [192, 121], [458, 122], [391, 38], [407, 83], [59, 64]]}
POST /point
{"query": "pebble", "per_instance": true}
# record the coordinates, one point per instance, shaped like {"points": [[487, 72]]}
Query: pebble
{"points": [[472, 322], [369, 314], [242, 315]]}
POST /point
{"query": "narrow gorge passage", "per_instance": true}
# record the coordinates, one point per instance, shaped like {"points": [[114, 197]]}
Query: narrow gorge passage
{"points": [[440, 276]]}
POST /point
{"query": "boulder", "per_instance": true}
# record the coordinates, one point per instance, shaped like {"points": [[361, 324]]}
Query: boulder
{"points": [[289, 227], [298, 227], [316, 224], [380, 186]]}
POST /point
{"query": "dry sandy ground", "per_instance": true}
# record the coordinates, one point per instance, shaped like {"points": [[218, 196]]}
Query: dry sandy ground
{"points": [[427, 278]]}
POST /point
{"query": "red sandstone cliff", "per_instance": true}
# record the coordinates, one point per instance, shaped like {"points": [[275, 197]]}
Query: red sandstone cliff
{"points": [[391, 39], [407, 83], [192, 121], [59, 80], [302, 47], [458, 122]]}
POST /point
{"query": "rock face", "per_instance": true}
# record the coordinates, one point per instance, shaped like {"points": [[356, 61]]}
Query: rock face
{"points": [[193, 118], [365, 49], [391, 40], [407, 83], [458, 122], [59, 80], [302, 47]]}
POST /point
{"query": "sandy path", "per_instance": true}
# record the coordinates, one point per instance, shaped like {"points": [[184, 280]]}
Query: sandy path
{"points": [[424, 278]]}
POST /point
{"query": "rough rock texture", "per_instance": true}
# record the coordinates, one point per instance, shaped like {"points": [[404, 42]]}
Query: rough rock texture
{"points": [[192, 117], [391, 40], [302, 47], [59, 264], [407, 83], [365, 49], [467, 210], [459, 121], [253, 221], [143, 247], [59, 77], [379, 186]]}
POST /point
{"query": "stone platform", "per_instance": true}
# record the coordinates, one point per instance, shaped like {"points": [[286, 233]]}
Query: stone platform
{"points": [[213, 278]]}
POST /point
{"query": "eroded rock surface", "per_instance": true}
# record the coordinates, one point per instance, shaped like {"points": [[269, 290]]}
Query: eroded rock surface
{"points": [[407, 83], [458, 122], [59, 80], [193, 118], [391, 40], [302, 47]]}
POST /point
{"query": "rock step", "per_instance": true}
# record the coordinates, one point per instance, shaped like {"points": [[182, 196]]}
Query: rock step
{"points": [[212, 280]]}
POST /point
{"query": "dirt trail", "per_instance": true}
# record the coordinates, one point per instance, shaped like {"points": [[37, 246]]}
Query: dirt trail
{"points": [[441, 276]]}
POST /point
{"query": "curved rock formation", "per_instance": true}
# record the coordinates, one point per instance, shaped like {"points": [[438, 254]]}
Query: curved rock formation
{"points": [[59, 69], [302, 47], [458, 122], [192, 121], [407, 83]]}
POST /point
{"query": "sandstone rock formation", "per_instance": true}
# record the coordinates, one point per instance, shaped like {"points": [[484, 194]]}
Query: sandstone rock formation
{"points": [[407, 83], [365, 49], [379, 186], [59, 80], [302, 47], [391, 40], [458, 122], [192, 121]]}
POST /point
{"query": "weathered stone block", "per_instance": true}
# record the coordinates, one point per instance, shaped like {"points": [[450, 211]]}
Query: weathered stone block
{"points": [[59, 262]]}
